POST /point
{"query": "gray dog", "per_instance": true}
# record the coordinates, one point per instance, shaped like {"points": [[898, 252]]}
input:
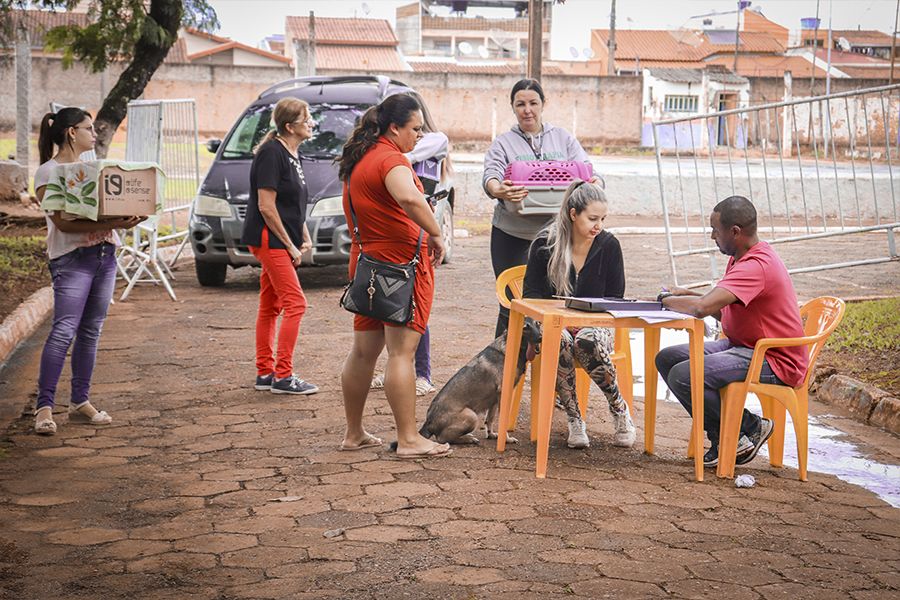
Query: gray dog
{"points": [[473, 393]]}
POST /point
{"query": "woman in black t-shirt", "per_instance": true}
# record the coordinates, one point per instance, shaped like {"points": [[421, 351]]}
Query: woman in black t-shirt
{"points": [[275, 230], [575, 256]]}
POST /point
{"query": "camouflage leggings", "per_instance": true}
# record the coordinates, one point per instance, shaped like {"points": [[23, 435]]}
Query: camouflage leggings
{"points": [[590, 347]]}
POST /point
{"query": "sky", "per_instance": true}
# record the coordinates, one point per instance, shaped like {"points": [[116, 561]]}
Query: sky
{"points": [[249, 21]]}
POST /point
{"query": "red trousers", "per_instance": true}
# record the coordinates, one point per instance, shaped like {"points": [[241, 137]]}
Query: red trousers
{"points": [[279, 294]]}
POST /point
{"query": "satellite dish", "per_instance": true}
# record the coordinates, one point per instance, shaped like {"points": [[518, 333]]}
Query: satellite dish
{"points": [[843, 44], [588, 53], [464, 48], [483, 51], [365, 8], [573, 51]]}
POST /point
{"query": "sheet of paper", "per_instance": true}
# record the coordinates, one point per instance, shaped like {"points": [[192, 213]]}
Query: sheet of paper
{"points": [[651, 316]]}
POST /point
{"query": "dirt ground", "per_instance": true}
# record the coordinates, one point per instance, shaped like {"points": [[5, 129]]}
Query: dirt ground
{"points": [[205, 488]]}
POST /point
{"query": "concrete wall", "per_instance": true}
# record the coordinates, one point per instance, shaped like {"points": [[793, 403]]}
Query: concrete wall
{"points": [[476, 107], [467, 107], [49, 83], [764, 90], [222, 92]]}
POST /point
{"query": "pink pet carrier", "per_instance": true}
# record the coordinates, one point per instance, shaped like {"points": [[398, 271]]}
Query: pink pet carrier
{"points": [[546, 181]]}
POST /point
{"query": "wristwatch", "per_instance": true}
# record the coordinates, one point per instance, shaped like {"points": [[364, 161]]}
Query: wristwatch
{"points": [[663, 295]]}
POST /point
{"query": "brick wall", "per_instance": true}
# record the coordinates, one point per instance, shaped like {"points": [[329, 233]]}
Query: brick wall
{"points": [[467, 107]]}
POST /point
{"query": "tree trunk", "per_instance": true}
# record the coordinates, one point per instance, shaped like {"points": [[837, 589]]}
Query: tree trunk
{"points": [[148, 56]]}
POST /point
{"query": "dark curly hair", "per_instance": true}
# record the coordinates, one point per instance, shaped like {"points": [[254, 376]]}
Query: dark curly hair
{"points": [[396, 110]]}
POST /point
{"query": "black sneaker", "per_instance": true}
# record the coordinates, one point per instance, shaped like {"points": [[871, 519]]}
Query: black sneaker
{"points": [[264, 382], [293, 385], [758, 438], [711, 458]]}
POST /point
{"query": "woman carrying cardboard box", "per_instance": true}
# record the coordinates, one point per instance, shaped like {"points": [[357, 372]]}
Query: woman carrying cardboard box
{"points": [[83, 268]]}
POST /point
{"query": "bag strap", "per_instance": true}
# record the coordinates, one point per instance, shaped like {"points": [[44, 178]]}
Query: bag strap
{"points": [[356, 228]]}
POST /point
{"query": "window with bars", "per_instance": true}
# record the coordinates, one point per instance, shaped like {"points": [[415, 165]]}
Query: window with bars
{"points": [[681, 104]]}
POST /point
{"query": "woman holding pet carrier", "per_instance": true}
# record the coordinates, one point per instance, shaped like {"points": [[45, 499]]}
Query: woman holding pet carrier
{"points": [[575, 256], [383, 196], [83, 270], [529, 139]]}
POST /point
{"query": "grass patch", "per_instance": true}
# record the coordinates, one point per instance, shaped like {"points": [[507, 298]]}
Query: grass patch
{"points": [[23, 269], [872, 325], [22, 257]]}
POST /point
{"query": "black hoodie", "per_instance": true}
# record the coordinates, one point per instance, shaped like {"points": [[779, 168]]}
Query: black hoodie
{"points": [[603, 273]]}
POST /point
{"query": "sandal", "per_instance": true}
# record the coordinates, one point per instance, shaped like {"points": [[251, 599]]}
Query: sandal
{"points": [[79, 415], [45, 426], [377, 383], [436, 451], [370, 442]]}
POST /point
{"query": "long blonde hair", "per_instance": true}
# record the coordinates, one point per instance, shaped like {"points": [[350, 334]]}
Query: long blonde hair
{"points": [[579, 195], [287, 110]]}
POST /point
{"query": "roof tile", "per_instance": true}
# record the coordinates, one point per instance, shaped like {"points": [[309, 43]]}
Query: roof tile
{"points": [[357, 58], [330, 30]]}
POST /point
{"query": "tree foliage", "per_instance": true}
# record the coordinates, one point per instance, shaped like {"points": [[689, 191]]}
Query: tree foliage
{"points": [[137, 33], [114, 29]]}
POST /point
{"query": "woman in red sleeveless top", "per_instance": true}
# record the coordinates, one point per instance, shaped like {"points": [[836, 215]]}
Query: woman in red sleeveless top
{"points": [[390, 208]]}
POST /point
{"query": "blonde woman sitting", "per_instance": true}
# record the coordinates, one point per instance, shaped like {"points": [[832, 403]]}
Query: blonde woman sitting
{"points": [[574, 256]]}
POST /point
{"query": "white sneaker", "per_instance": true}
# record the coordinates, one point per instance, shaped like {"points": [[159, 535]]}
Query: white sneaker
{"points": [[625, 433], [423, 386], [578, 437]]}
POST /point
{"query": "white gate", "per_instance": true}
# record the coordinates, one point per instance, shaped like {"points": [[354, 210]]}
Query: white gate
{"points": [[814, 168], [165, 132]]}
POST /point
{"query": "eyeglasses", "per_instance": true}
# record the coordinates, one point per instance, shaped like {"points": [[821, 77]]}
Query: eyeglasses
{"points": [[309, 120], [89, 128]]}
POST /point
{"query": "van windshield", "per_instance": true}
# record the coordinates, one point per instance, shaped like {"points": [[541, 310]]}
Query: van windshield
{"points": [[334, 124]]}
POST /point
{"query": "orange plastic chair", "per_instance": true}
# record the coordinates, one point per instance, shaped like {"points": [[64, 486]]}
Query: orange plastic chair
{"points": [[510, 283], [820, 317]]}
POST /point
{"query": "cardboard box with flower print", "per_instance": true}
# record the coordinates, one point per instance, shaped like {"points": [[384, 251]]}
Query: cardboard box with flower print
{"points": [[105, 188]]}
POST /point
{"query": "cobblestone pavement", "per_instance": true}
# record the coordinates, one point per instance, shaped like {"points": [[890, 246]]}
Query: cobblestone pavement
{"points": [[204, 488]]}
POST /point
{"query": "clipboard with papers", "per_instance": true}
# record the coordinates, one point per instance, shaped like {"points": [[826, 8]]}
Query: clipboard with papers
{"points": [[648, 311], [611, 304]]}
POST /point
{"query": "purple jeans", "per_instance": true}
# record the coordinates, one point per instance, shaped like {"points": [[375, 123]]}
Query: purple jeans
{"points": [[423, 356], [83, 284]]}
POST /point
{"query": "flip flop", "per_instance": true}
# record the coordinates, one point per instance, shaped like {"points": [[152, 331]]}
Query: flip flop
{"points": [[437, 451], [370, 442]]}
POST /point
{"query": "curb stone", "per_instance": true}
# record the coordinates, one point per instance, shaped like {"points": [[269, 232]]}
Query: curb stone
{"points": [[865, 402], [24, 320]]}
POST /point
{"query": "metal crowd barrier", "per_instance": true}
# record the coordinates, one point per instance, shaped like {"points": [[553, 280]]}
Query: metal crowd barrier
{"points": [[815, 168]]}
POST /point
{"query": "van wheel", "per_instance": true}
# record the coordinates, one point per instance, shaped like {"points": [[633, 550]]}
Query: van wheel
{"points": [[446, 223], [210, 274]]}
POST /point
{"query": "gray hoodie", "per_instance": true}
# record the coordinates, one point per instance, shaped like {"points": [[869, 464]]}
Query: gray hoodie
{"points": [[553, 143]]}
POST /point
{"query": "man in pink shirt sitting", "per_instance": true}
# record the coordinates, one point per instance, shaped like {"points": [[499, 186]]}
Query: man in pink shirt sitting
{"points": [[755, 299]]}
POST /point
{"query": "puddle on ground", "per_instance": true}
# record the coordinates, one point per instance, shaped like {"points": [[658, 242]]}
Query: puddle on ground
{"points": [[830, 450]]}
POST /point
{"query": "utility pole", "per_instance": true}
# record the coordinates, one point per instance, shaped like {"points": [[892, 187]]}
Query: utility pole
{"points": [[23, 93], [894, 42], [535, 38], [611, 42], [311, 57], [812, 79], [737, 34]]}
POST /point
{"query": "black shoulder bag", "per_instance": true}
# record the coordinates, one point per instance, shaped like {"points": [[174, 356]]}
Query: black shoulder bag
{"points": [[381, 290]]}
